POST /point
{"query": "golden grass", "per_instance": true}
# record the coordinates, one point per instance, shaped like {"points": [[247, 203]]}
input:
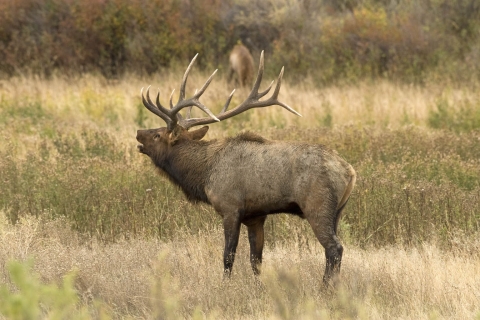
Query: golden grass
{"points": [[183, 278], [92, 101], [93, 98]]}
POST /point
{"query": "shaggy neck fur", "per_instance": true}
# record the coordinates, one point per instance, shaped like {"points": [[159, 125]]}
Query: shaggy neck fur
{"points": [[188, 165]]}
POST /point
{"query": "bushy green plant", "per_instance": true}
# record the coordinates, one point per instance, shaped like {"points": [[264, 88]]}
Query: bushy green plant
{"points": [[28, 298]]}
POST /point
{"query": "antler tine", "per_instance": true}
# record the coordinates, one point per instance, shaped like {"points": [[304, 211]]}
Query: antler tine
{"points": [[256, 85], [286, 106], [274, 97], [189, 112], [159, 105], [261, 94], [185, 103], [205, 85], [227, 103], [148, 97], [279, 84], [194, 101], [184, 80], [182, 103], [171, 97], [153, 108], [187, 116]]}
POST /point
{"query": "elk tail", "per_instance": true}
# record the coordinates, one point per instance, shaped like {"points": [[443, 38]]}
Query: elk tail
{"points": [[346, 195]]}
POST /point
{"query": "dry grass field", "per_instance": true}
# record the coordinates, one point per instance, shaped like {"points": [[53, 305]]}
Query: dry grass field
{"points": [[78, 200], [182, 278]]}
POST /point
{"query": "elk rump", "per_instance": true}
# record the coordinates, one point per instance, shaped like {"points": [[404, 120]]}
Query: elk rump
{"points": [[241, 66]]}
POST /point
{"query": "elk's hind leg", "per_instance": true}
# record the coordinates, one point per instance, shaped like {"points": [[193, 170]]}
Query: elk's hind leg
{"points": [[322, 218], [256, 239]]}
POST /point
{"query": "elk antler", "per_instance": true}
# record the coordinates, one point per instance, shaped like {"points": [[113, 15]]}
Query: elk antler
{"points": [[172, 117]]}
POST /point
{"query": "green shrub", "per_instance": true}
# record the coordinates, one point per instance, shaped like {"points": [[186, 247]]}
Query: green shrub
{"points": [[28, 298], [321, 40]]}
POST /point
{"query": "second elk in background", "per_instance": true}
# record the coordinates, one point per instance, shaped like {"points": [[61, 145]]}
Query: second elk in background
{"points": [[241, 66]]}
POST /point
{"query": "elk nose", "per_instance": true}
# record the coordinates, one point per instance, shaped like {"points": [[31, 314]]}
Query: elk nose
{"points": [[139, 134]]}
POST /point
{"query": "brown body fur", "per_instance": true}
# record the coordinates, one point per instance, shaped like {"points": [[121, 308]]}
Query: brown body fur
{"points": [[247, 177], [241, 65]]}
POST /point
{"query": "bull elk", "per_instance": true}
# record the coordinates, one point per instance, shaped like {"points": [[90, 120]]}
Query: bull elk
{"points": [[241, 65], [246, 177]]}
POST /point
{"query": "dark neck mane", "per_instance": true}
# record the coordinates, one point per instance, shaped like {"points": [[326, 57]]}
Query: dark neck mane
{"points": [[188, 165]]}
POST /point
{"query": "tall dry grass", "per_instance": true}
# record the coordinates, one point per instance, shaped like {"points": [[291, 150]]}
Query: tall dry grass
{"points": [[182, 278], [116, 102]]}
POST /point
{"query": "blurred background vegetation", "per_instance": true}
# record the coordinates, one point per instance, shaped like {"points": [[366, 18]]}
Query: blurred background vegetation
{"points": [[326, 40]]}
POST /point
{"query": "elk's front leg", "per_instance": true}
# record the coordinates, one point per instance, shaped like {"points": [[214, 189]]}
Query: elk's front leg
{"points": [[231, 226], [256, 239]]}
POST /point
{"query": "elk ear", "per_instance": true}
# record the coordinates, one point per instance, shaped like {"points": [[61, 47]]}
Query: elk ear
{"points": [[199, 133], [175, 134]]}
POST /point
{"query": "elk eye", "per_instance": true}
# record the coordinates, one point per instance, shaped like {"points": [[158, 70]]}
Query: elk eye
{"points": [[156, 136]]}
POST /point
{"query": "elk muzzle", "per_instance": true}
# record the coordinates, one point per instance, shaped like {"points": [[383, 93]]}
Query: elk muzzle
{"points": [[140, 138]]}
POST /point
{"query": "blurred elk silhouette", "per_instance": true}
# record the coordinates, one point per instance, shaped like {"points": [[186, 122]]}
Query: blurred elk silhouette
{"points": [[241, 66], [246, 177]]}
